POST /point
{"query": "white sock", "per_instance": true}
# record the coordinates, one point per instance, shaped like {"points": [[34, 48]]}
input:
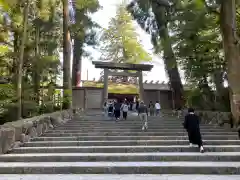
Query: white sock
{"points": [[191, 145]]}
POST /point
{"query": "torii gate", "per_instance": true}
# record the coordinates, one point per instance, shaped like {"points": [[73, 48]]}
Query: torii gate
{"points": [[126, 67]]}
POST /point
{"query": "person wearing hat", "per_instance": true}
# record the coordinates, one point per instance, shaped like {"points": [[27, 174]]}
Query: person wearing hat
{"points": [[191, 124], [143, 114]]}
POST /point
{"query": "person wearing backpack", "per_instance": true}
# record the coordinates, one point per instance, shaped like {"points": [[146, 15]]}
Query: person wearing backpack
{"points": [[124, 109], [110, 109]]}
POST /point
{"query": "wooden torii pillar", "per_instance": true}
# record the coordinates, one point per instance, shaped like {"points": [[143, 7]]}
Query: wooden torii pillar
{"points": [[105, 85]]}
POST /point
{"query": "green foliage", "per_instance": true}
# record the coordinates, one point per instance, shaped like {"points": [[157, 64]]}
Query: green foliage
{"points": [[41, 64], [198, 42], [120, 40]]}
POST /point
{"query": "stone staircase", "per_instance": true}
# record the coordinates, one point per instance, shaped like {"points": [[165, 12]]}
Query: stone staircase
{"points": [[90, 148]]}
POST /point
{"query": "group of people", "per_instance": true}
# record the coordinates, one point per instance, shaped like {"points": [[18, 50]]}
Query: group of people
{"points": [[116, 108], [191, 122], [154, 109]]}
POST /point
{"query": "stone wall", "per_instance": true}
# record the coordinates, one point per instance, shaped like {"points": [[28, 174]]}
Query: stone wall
{"points": [[215, 117], [13, 134]]}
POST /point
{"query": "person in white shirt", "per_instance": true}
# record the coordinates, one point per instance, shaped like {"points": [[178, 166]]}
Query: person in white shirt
{"points": [[157, 108], [125, 109]]}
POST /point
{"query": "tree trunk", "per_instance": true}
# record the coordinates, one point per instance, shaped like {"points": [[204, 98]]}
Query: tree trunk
{"points": [[77, 62], [231, 50], [79, 37], [16, 47], [67, 84], [169, 57], [36, 73], [220, 90], [20, 63]]}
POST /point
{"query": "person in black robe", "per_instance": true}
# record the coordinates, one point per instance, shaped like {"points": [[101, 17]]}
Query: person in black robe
{"points": [[191, 124]]}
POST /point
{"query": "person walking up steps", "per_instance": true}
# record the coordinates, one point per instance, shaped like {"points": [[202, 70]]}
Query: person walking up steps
{"points": [[143, 114], [191, 124], [157, 108], [124, 109], [151, 108]]}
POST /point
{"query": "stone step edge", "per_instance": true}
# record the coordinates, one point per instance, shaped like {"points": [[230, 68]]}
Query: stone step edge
{"points": [[116, 177], [121, 164], [123, 141], [120, 147], [170, 154]]}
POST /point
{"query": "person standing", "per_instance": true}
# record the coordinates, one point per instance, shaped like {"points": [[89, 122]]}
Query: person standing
{"points": [[151, 108], [143, 114], [105, 108], [117, 110], [157, 108], [191, 124], [137, 105], [110, 109], [125, 109]]}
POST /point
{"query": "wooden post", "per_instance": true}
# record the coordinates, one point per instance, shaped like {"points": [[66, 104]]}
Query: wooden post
{"points": [[105, 86], [140, 84]]}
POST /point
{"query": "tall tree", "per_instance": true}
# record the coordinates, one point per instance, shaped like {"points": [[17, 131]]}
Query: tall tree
{"points": [[20, 63], [67, 83], [157, 26], [40, 64], [199, 52], [226, 11], [231, 49], [83, 34], [120, 42]]}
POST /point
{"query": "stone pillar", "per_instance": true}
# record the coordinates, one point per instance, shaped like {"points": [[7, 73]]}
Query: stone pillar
{"points": [[140, 85], [105, 85]]}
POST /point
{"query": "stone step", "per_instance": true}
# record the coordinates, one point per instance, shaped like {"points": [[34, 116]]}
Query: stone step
{"points": [[125, 143], [137, 126], [81, 130], [140, 137], [130, 133], [122, 149], [116, 177], [112, 121], [94, 157], [121, 168], [119, 123]]}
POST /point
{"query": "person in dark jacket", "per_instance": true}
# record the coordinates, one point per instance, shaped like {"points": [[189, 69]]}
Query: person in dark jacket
{"points": [[191, 124], [117, 110]]}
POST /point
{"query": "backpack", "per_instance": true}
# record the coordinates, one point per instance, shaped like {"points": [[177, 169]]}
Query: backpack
{"points": [[110, 108], [125, 107]]}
